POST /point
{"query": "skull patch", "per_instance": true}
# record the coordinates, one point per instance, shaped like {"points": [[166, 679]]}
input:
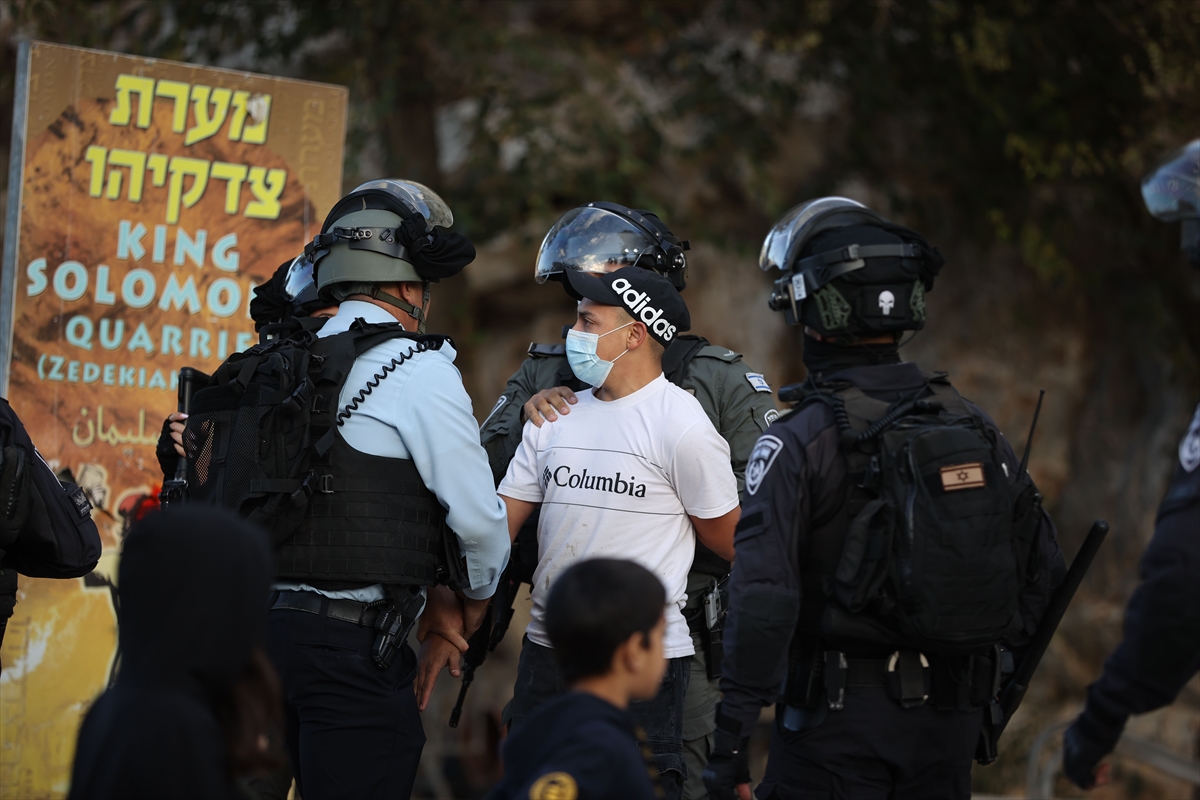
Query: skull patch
{"points": [[887, 301]]}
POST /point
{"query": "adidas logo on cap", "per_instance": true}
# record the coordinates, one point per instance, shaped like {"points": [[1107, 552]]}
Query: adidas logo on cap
{"points": [[638, 305]]}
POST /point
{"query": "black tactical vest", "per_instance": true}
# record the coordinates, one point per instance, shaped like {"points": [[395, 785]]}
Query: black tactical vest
{"points": [[371, 519]]}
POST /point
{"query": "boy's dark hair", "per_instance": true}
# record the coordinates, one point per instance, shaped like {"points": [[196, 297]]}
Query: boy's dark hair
{"points": [[594, 606]]}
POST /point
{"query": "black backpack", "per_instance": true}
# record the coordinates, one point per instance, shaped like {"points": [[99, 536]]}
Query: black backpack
{"points": [[251, 439], [940, 540], [46, 526]]}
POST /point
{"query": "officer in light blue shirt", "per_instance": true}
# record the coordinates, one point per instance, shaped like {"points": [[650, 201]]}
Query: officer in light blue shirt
{"points": [[414, 504], [421, 412]]}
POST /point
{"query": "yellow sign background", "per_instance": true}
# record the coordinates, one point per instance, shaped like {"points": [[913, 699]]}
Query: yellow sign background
{"points": [[153, 197]]}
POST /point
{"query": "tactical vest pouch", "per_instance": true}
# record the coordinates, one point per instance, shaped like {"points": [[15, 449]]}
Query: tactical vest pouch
{"points": [[46, 529]]}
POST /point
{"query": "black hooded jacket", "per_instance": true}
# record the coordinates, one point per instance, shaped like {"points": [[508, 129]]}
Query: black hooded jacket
{"points": [[193, 587], [576, 740]]}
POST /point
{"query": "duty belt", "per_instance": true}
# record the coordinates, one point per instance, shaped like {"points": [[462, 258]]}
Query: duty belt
{"points": [[362, 614]]}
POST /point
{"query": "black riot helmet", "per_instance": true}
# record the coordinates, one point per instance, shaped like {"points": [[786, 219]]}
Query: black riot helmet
{"points": [[1172, 192], [602, 237], [847, 271], [388, 231]]}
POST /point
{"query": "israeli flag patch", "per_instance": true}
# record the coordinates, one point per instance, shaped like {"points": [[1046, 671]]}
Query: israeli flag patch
{"points": [[758, 382]]}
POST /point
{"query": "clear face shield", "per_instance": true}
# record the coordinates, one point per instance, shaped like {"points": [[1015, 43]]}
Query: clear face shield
{"points": [[781, 250], [300, 280], [1172, 192], [787, 237], [417, 197], [590, 240]]}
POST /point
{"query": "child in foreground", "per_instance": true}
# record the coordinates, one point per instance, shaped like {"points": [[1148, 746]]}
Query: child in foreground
{"points": [[605, 620]]}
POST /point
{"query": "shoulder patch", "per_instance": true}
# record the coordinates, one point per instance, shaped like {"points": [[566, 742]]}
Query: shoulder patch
{"points": [[770, 417], [554, 786], [761, 459], [1189, 448], [723, 353], [544, 350], [758, 382]]}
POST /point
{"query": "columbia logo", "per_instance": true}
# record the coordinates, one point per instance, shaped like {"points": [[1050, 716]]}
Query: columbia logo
{"points": [[546, 477]]}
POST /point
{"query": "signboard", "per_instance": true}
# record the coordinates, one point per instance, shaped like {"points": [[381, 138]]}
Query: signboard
{"points": [[146, 200]]}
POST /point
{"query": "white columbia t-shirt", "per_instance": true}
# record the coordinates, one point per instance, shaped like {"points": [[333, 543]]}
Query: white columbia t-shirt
{"points": [[618, 479]]}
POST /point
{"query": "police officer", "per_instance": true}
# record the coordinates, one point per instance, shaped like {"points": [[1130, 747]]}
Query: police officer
{"points": [[1160, 651], [885, 534], [409, 492], [736, 399]]}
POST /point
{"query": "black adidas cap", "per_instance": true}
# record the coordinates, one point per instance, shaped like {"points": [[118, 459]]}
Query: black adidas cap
{"points": [[647, 296]]}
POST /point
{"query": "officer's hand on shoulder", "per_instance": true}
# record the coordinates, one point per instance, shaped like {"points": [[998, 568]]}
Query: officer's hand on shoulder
{"points": [[543, 405]]}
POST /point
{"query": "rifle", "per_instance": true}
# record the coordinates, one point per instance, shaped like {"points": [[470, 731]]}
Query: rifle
{"points": [[999, 712], [490, 634], [174, 491]]}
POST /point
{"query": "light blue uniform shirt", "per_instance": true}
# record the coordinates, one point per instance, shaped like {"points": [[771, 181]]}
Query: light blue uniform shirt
{"points": [[421, 411]]}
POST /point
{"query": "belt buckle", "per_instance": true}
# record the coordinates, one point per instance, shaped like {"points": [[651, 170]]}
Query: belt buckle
{"points": [[899, 680]]}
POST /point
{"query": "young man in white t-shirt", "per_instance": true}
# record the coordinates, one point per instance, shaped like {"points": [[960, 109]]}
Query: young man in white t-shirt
{"points": [[637, 471]]}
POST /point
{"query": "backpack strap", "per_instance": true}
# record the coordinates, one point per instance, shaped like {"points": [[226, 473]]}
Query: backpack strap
{"points": [[366, 335]]}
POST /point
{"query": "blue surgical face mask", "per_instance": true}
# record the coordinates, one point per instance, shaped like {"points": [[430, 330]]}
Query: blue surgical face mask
{"points": [[581, 355]]}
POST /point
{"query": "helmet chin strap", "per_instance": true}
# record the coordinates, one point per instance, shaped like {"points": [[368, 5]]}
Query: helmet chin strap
{"points": [[416, 312]]}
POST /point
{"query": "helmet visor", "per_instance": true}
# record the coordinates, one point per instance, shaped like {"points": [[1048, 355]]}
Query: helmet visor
{"points": [[785, 240], [1172, 191], [299, 278], [590, 240], [416, 196]]}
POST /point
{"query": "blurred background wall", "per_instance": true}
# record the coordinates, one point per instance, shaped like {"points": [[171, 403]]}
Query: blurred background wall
{"points": [[1012, 133]]}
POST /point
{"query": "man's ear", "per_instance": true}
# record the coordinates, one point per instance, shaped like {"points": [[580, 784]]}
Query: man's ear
{"points": [[625, 656], [637, 336], [412, 292]]}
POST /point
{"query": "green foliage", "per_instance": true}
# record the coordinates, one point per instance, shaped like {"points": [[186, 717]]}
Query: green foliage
{"points": [[1007, 121]]}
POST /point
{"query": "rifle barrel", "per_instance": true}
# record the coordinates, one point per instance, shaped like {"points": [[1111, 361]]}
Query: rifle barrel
{"points": [[1011, 698]]}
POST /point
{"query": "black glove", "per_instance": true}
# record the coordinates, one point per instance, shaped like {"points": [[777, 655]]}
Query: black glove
{"points": [[1089, 739], [728, 766], [164, 451]]}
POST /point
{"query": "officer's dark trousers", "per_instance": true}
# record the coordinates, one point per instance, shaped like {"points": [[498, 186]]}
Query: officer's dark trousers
{"points": [[353, 730], [873, 749], [539, 679]]}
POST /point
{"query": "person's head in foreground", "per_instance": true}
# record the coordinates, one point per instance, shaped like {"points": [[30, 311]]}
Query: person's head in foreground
{"points": [[195, 700], [605, 619]]}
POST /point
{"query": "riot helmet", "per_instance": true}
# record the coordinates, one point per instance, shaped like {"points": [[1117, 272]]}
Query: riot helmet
{"points": [[1172, 192], [602, 237], [847, 271], [387, 231]]}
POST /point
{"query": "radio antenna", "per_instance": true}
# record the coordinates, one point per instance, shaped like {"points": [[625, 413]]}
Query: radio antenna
{"points": [[1032, 428]]}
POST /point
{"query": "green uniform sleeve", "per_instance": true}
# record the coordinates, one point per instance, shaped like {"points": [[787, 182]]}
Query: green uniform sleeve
{"points": [[500, 433], [737, 399]]}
